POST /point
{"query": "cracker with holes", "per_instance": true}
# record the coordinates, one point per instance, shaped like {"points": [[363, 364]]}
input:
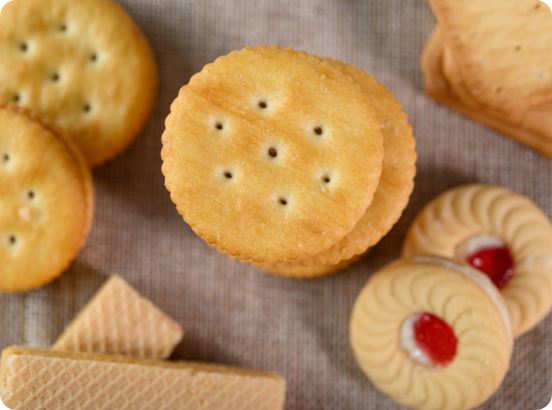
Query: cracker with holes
{"points": [[391, 197], [83, 67], [272, 155], [46, 203], [503, 47]]}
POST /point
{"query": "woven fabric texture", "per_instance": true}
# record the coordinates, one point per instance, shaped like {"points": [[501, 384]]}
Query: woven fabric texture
{"points": [[234, 314]]}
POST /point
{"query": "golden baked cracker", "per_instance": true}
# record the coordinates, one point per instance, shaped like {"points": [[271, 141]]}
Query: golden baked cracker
{"points": [[46, 198], [503, 47], [394, 189], [118, 320], [529, 127], [83, 67], [40, 379], [271, 155]]}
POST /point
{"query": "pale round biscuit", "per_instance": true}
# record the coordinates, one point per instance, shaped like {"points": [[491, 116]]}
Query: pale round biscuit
{"points": [[83, 67], [471, 210], [271, 155], [46, 203], [394, 189], [447, 290]]}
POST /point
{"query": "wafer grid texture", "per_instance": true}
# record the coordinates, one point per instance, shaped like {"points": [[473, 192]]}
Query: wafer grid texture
{"points": [[41, 383], [120, 321], [234, 314]]}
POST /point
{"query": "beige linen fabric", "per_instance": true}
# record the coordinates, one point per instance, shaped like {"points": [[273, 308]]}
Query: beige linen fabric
{"points": [[232, 313]]}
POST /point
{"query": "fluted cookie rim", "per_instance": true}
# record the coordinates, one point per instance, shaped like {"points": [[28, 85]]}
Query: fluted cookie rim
{"points": [[457, 226]]}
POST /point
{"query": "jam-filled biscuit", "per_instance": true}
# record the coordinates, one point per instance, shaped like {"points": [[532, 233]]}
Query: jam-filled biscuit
{"points": [[432, 334], [499, 232], [83, 67], [46, 202], [272, 155]]}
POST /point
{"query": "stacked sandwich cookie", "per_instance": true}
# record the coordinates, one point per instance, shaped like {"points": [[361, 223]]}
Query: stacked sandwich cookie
{"points": [[435, 329], [493, 63], [108, 357], [276, 157]]}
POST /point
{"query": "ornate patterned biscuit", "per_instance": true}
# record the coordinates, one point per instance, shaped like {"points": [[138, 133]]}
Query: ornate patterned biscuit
{"points": [[503, 47], [118, 320], [405, 359], [40, 379], [391, 196], [84, 68], [443, 82], [272, 155], [46, 199], [489, 227]]}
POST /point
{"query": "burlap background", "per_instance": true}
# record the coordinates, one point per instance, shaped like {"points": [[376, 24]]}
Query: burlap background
{"points": [[232, 313]]}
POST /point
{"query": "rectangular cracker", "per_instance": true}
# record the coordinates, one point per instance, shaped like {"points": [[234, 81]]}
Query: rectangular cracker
{"points": [[526, 128], [118, 320], [33, 379], [503, 47]]}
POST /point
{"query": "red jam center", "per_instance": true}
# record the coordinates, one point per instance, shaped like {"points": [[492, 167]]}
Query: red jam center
{"points": [[435, 338], [496, 263]]}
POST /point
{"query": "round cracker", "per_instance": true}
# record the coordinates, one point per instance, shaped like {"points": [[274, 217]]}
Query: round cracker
{"points": [[223, 179], [83, 67], [46, 203], [394, 189]]}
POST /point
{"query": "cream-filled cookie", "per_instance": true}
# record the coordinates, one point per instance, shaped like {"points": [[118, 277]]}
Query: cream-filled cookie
{"points": [[499, 232], [432, 334]]}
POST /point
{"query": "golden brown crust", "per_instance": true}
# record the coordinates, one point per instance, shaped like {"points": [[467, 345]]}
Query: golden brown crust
{"points": [[407, 287], [284, 207], [84, 68], [529, 127], [47, 197]]}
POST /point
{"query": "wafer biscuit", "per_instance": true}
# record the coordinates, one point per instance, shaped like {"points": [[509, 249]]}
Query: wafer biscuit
{"points": [[39, 379], [47, 202], [118, 320], [272, 155], [84, 68], [504, 48], [529, 127]]}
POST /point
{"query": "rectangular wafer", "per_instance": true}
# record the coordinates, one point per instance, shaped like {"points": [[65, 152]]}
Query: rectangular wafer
{"points": [[118, 320], [33, 379]]}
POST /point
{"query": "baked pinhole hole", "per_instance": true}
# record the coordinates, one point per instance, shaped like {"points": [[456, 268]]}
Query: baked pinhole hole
{"points": [[263, 105], [12, 240], [30, 195], [87, 108], [24, 47], [63, 28], [283, 201], [517, 48], [56, 77], [272, 152], [5, 158], [326, 179], [16, 98], [219, 126], [228, 175], [93, 57], [318, 131]]}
